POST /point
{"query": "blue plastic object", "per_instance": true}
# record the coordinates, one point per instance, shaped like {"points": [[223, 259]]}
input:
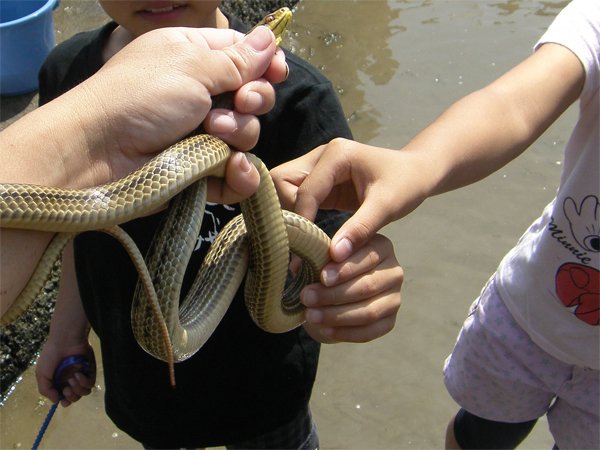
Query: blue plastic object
{"points": [[26, 38], [67, 368]]}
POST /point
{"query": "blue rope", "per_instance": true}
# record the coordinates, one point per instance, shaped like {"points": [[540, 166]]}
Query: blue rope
{"points": [[40, 435]]}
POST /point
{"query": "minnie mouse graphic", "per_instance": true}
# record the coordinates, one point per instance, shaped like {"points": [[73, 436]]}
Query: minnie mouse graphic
{"points": [[578, 285]]}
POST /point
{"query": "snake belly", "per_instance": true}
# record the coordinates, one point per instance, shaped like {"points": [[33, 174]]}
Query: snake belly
{"points": [[257, 242]]}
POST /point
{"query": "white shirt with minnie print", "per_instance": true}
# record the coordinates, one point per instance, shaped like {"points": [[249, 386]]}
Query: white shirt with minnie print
{"points": [[550, 281]]}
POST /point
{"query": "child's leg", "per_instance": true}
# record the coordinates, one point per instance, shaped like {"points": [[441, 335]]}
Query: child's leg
{"points": [[468, 431], [497, 373]]}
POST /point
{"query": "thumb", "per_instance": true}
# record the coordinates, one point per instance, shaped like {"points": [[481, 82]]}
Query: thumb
{"points": [[251, 58]]}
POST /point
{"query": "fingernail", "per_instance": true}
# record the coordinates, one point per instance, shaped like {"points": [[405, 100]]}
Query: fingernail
{"points": [[314, 316], [245, 165], [329, 277], [343, 249], [287, 71], [253, 101], [309, 297], [260, 38], [222, 124]]}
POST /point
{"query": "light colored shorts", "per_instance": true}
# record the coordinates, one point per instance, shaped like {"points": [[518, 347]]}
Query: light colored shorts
{"points": [[496, 372]]}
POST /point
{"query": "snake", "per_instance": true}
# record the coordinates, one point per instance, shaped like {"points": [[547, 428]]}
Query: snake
{"points": [[255, 245]]}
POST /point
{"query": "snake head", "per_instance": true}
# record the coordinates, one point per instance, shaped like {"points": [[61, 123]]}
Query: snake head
{"points": [[277, 22]]}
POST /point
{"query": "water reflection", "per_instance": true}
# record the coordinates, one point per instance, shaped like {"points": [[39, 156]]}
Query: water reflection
{"points": [[349, 42], [551, 8], [544, 8], [507, 8]]}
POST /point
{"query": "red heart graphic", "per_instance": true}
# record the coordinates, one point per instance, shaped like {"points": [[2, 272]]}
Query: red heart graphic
{"points": [[578, 285]]}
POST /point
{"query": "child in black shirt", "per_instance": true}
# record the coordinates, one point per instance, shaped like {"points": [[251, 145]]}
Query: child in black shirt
{"points": [[244, 388]]}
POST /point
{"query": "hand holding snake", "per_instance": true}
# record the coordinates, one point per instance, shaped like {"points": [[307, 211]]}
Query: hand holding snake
{"points": [[163, 328], [79, 139]]}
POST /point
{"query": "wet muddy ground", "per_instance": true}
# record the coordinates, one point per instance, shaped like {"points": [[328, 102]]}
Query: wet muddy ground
{"points": [[396, 65]]}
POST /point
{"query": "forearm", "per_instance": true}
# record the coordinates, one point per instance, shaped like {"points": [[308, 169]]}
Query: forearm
{"points": [[69, 325], [469, 141], [69, 336], [50, 146], [487, 129]]}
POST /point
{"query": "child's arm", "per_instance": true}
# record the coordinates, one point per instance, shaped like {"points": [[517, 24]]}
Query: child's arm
{"points": [[69, 330], [487, 129], [473, 138]]}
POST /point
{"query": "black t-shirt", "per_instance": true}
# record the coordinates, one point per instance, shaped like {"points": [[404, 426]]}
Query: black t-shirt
{"points": [[244, 381]]}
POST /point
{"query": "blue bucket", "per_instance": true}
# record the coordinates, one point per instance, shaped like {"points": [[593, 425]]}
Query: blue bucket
{"points": [[26, 38]]}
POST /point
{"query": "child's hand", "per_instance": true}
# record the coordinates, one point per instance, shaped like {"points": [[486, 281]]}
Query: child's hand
{"points": [[359, 298], [78, 384], [350, 176]]}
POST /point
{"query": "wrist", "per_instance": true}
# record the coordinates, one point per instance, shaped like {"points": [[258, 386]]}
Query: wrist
{"points": [[426, 172], [71, 335]]}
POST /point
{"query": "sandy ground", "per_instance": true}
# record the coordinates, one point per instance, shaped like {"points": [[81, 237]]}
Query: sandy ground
{"points": [[423, 55]]}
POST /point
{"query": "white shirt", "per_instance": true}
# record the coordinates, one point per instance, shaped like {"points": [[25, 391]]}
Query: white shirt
{"points": [[550, 281]]}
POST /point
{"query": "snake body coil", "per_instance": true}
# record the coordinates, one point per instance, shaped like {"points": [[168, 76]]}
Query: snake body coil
{"points": [[255, 244], [258, 242]]}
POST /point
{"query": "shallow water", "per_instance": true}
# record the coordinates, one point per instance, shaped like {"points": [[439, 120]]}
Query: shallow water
{"points": [[396, 66]]}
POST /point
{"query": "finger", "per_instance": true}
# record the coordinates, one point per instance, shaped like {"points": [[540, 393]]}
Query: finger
{"points": [[212, 38], [386, 278], [288, 177], [251, 57], [85, 382], [256, 97], [69, 396], [329, 169], [80, 386], [370, 217], [237, 60], [278, 71], [240, 131], [360, 333], [365, 259], [241, 181], [358, 314]]}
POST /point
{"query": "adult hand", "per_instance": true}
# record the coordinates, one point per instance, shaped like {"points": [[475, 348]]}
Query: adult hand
{"points": [[175, 89], [351, 176], [146, 97], [358, 299]]}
